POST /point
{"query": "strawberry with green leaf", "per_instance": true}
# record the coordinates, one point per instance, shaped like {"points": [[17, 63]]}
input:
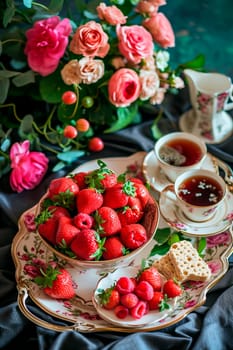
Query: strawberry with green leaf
{"points": [[87, 245], [118, 195], [66, 231], [107, 222], [62, 191], [109, 297], [113, 248], [47, 222], [56, 282], [88, 200], [101, 178]]}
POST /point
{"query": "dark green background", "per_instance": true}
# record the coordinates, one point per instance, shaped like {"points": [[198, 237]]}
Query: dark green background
{"points": [[202, 27]]}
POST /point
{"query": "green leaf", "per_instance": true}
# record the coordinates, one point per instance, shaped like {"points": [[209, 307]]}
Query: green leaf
{"points": [[58, 166], [70, 156], [159, 249], [5, 145], [8, 15], [197, 63], [4, 88], [156, 133], [27, 3], [125, 116], [56, 5], [52, 87], [201, 245], [26, 126], [24, 78], [4, 73], [162, 235]]}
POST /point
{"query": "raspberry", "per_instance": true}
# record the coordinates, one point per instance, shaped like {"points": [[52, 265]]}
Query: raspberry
{"points": [[125, 285], [144, 290], [83, 220], [129, 300], [121, 311], [139, 310]]}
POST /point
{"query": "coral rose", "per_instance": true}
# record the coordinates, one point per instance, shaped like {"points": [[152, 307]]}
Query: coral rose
{"points": [[124, 87], [110, 14], [28, 168], [90, 40], [135, 43], [161, 30], [46, 44]]}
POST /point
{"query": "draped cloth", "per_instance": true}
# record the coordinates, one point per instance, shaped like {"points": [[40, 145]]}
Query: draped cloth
{"points": [[207, 327]]}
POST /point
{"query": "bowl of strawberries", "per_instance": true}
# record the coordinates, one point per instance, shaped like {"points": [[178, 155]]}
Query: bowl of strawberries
{"points": [[97, 219]]}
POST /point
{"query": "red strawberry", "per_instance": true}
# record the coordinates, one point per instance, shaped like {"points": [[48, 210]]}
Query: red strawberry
{"points": [[113, 248], [79, 178], [62, 184], [87, 245], [107, 221], [129, 300], [83, 220], [156, 302], [56, 282], [101, 178], [152, 276], [172, 289], [132, 213], [117, 196], [144, 290], [48, 230], [133, 235], [47, 222], [139, 310], [141, 192], [66, 232], [89, 200], [109, 298]]}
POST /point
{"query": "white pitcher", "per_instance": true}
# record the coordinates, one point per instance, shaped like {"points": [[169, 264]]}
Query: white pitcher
{"points": [[209, 95]]}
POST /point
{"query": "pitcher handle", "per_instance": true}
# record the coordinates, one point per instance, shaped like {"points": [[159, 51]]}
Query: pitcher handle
{"points": [[229, 106]]}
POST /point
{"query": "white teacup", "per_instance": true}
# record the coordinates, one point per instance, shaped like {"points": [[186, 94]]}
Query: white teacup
{"points": [[178, 152], [199, 193]]}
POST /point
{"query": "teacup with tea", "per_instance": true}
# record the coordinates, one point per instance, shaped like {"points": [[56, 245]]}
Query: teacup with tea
{"points": [[178, 152], [199, 193]]}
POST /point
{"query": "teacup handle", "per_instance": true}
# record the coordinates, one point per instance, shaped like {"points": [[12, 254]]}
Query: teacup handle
{"points": [[229, 106]]}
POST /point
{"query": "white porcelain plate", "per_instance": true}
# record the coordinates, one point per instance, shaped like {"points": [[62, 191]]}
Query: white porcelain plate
{"points": [[175, 218], [156, 177], [108, 281]]}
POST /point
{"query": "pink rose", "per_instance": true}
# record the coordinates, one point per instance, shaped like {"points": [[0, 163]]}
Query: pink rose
{"points": [[135, 43], [90, 40], [146, 8], [161, 30], [110, 14], [28, 168], [46, 44], [124, 87]]}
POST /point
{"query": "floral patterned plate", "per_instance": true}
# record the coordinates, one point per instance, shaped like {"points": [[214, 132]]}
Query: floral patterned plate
{"points": [[175, 218], [156, 177], [79, 313]]}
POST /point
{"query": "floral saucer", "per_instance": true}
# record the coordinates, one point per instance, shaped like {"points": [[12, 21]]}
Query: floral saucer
{"points": [[175, 218], [156, 177], [108, 315]]}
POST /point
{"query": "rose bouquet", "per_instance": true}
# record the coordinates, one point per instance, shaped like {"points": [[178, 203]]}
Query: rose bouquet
{"points": [[73, 70]]}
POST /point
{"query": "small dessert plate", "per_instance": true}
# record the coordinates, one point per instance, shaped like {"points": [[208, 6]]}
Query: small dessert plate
{"points": [[156, 177], [175, 218], [109, 280]]}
